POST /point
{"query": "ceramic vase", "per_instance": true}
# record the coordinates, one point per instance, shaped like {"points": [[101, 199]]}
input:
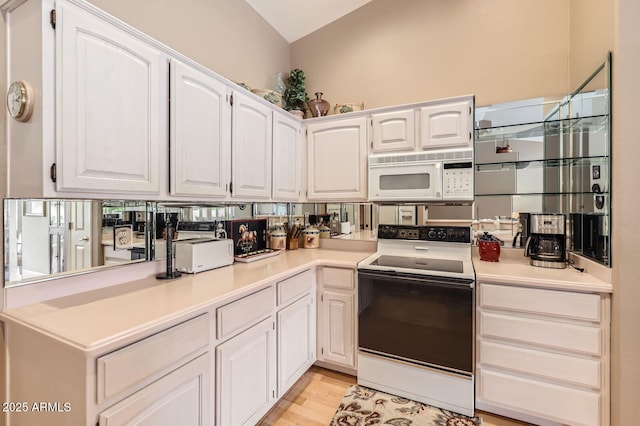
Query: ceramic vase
{"points": [[318, 106]]}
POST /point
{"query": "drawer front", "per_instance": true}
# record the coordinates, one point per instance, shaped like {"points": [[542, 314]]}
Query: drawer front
{"points": [[582, 306], [580, 371], [570, 337], [558, 403], [338, 277], [133, 365], [290, 289], [244, 312]]}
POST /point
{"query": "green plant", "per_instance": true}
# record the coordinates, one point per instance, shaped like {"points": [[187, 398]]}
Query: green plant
{"points": [[295, 94]]}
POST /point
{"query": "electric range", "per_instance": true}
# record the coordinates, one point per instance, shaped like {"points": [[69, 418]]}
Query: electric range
{"points": [[416, 316]]}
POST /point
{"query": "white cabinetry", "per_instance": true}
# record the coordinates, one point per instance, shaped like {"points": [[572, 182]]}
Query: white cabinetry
{"points": [[251, 148], [441, 124], [337, 159], [246, 362], [147, 380], [296, 341], [287, 157], [182, 397], [200, 117], [111, 106], [337, 318], [296, 328], [99, 124], [543, 355], [393, 130], [246, 375], [447, 124]]}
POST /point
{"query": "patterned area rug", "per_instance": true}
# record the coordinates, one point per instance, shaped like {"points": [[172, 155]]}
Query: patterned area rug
{"points": [[366, 407]]}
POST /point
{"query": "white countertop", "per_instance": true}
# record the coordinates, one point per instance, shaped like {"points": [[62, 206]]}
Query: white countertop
{"points": [[514, 268], [98, 318]]}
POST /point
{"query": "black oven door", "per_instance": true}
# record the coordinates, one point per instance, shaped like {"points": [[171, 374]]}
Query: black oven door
{"points": [[422, 319]]}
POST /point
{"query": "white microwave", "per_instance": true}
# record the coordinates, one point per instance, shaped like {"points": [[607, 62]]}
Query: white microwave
{"points": [[445, 175]]}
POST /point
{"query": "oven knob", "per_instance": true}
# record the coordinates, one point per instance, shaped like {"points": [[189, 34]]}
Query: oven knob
{"points": [[431, 234], [442, 235]]}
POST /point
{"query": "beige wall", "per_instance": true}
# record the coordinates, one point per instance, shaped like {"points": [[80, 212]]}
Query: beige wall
{"points": [[382, 54], [625, 198], [227, 36], [591, 36]]}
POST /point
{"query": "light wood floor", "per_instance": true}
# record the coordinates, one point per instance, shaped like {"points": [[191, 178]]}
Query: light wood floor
{"points": [[313, 400]]}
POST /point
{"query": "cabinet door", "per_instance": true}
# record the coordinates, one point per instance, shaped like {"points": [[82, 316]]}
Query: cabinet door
{"points": [[446, 125], [393, 131], [246, 375], [296, 341], [251, 148], [182, 397], [200, 133], [111, 107], [337, 160], [337, 328], [287, 158]]}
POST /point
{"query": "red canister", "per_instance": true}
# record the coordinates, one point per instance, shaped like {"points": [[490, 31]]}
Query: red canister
{"points": [[489, 248]]}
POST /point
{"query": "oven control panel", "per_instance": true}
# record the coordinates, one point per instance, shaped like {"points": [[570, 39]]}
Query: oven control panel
{"points": [[449, 234]]}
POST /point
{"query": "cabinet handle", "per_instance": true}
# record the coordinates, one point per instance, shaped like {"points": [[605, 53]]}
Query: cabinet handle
{"points": [[53, 172]]}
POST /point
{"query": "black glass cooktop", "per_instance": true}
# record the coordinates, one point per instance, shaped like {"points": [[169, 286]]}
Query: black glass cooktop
{"points": [[420, 263]]}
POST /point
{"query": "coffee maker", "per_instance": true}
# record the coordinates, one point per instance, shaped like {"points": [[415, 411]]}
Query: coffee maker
{"points": [[547, 238]]}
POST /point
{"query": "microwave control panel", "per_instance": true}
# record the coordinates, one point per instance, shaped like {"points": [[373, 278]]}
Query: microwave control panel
{"points": [[457, 181]]}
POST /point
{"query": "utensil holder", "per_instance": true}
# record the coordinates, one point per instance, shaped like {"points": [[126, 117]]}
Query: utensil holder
{"points": [[292, 243]]}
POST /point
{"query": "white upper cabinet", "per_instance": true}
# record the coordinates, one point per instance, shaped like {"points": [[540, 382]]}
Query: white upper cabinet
{"points": [[251, 148], [111, 92], [200, 157], [337, 160], [447, 124], [287, 157], [441, 124], [393, 131]]}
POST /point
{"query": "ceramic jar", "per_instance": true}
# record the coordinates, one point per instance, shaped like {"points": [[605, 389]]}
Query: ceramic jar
{"points": [[278, 239], [311, 237], [318, 106], [325, 231]]}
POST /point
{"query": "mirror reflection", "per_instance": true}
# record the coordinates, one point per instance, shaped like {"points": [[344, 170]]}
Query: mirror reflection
{"points": [[52, 237], [549, 156]]}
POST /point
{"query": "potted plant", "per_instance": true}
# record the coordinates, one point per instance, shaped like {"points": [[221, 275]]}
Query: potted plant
{"points": [[295, 93]]}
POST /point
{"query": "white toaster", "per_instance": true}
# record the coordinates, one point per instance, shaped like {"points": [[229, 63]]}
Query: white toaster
{"points": [[201, 254]]}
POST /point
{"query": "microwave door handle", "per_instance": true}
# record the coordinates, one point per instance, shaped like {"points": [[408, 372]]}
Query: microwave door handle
{"points": [[422, 248]]}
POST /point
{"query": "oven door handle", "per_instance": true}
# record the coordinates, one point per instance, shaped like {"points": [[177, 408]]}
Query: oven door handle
{"points": [[419, 279], [378, 272]]}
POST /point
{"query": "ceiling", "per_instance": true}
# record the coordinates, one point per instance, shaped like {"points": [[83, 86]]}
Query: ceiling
{"points": [[294, 19]]}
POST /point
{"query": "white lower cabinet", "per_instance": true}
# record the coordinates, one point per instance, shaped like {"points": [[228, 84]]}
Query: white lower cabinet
{"points": [[543, 355], [337, 317], [182, 397], [296, 341], [246, 375]]}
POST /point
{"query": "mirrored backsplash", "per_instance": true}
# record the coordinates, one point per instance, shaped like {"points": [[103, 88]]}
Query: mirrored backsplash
{"points": [[51, 238]]}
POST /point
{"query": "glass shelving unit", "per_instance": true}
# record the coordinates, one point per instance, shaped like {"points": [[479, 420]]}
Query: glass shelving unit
{"points": [[550, 156]]}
